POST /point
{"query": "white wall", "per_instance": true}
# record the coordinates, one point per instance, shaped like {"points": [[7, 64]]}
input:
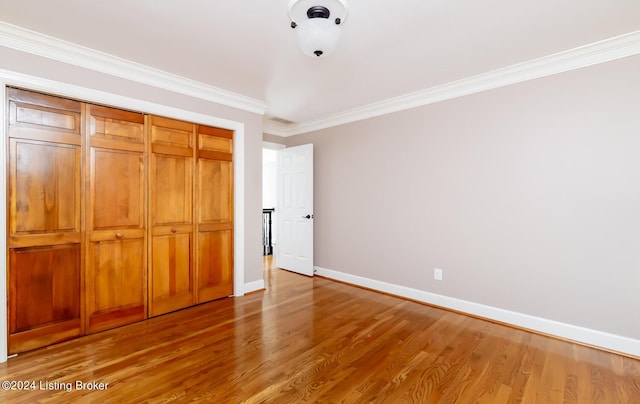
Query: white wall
{"points": [[269, 179]]}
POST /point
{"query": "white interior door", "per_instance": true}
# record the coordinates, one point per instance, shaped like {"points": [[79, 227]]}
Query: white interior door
{"points": [[294, 250]]}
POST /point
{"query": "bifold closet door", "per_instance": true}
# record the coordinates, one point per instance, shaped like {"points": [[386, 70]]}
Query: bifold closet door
{"points": [[215, 213], [171, 179], [44, 223], [116, 231]]}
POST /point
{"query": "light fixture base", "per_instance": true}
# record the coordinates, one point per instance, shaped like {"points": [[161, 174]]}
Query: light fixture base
{"points": [[317, 24], [298, 9]]}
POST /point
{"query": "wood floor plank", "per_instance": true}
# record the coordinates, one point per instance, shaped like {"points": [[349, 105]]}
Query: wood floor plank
{"points": [[316, 340]]}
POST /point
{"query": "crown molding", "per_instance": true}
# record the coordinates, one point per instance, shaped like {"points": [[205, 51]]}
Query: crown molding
{"points": [[280, 129], [583, 56], [24, 40], [32, 42]]}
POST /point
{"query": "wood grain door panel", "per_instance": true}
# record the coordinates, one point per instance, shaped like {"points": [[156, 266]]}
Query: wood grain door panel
{"points": [[171, 133], [172, 190], [115, 129], [215, 265], [44, 180], [43, 117], [45, 256], [171, 181], [215, 196], [115, 283], [215, 214], [116, 289], [44, 296], [118, 189], [171, 284]]}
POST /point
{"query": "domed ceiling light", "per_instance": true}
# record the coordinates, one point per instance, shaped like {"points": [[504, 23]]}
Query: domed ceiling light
{"points": [[317, 24]]}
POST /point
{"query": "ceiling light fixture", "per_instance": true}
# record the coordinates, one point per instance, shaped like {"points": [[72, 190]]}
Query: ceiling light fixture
{"points": [[317, 24]]}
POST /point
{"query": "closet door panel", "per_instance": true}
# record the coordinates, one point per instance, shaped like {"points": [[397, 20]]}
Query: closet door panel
{"points": [[215, 267], [215, 202], [172, 187], [118, 184], [116, 129], [172, 277], [44, 183], [215, 214], [172, 133], [44, 220], [115, 284], [44, 296], [43, 117], [116, 290], [171, 179]]}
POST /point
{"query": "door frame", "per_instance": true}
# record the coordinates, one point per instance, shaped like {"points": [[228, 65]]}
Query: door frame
{"points": [[11, 78]]}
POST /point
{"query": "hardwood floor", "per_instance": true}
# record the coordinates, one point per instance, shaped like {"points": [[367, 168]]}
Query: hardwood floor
{"points": [[315, 340]]}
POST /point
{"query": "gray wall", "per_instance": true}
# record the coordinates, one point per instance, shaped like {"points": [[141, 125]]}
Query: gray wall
{"points": [[528, 197]]}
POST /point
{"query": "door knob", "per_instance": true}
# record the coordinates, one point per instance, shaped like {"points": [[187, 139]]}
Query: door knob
{"points": [[307, 217]]}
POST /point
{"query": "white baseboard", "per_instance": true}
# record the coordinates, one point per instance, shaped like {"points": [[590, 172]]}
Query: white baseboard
{"points": [[253, 286], [571, 332]]}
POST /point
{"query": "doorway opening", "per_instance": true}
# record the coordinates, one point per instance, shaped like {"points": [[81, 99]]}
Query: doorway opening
{"points": [[269, 202]]}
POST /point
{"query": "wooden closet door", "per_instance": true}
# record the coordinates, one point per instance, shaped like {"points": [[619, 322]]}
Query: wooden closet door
{"points": [[116, 231], [215, 213], [171, 276], [44, 226]]}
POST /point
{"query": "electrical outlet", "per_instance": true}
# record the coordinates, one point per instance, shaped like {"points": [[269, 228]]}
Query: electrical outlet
{"points": [[437, 274]]}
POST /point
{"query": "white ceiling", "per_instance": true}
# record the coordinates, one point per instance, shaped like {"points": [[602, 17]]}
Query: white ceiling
{"points": [[387, 49]]}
